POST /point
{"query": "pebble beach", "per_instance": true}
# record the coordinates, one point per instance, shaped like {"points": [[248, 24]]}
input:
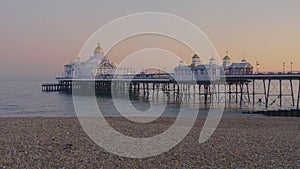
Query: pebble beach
{"points": [[60, 142]]}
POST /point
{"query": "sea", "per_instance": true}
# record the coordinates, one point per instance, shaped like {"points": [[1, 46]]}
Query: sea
{"points": [[26, 99]]}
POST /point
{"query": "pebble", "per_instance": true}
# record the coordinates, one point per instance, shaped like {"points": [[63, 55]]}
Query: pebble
{"points": [[237, 143]]}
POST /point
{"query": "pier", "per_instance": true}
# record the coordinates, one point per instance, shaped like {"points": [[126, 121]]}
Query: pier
{"points": [[234, 83], [271, 91]]}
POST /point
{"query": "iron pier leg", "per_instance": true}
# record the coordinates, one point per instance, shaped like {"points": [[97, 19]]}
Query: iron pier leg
{"points": [[298, 99], [253, 93], [268, 93], [229, 93], [265, 93], [205, 94], [218, 93], [280, 93], [225, 93], [236, 93], [199, 92], [241, 90], [292, 90], [247, 85]]}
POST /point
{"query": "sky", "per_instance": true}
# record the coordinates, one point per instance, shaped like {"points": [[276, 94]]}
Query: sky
{"points": [[38, 37]]}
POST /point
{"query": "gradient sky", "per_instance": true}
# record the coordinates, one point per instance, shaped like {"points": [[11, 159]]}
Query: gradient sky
{"points": [[38, 37]]}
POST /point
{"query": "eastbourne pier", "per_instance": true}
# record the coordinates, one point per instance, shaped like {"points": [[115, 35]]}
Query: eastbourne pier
{"points": [[239, 89], [232, 83]]}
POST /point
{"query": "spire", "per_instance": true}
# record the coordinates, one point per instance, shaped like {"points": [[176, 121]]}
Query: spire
{"points": [[212, 59], [244, 58]]}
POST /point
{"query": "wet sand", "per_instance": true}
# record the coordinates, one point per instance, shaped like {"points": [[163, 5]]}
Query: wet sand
{"points": [[237, 143]]}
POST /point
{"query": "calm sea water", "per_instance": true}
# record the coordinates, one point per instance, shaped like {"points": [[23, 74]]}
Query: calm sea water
{"points": [[25, 99]]}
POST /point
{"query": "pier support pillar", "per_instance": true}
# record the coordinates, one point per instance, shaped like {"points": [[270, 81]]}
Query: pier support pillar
{"points": [[280, 93], [292, 90], [298, 99], [253, 92]]}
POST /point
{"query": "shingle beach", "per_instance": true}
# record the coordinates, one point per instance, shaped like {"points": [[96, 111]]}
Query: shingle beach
{"points": [[237, 143]]}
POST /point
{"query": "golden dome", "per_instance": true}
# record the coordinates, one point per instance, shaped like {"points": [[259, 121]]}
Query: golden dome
{"points": [[226, 57], [195, 56], [98, 49]]}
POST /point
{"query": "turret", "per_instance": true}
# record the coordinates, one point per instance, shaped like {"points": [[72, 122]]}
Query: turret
{"points": [[98, 52], [226, 61], [181, 63], [195, 60]]}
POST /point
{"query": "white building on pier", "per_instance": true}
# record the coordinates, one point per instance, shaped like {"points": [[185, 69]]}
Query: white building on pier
{"points": [[99, 66], [197, 71], [96, 66], [84, 69], [239, 68], [211, 71]]}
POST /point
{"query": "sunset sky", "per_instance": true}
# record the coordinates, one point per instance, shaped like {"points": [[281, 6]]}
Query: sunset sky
{"points": [[38, 37]]}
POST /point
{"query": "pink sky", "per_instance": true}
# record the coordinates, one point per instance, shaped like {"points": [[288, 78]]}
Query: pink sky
{"points": [[38, 38]]}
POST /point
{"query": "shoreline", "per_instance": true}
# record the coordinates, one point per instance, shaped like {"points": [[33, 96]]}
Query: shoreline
{"points": [[56, 142]]}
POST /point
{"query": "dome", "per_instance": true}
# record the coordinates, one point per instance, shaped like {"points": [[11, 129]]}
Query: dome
{"points": [[195, 56], [226, 57], [98, 49]]}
